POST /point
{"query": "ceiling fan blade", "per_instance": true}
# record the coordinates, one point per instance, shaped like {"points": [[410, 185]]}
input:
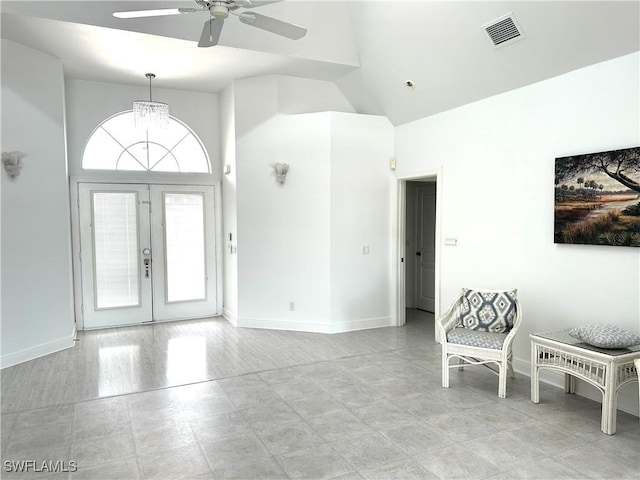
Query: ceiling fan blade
{"points": [[152, 13], [210, 33], [255, 3], [273, 25]]}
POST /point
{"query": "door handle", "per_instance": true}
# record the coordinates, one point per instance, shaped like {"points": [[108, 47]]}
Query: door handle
{"points": [[419, 253], [146, 267]]}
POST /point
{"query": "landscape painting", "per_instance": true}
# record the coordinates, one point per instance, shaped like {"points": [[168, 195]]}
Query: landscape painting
{"points": [[597, 198]]}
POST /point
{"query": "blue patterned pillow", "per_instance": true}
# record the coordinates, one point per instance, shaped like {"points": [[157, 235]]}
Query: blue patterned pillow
{"points": [[605, 335], [488, 311]]}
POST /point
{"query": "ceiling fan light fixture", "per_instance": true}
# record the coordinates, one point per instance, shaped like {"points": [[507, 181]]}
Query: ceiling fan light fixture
{"points": [[147, 113], [219, 12]]}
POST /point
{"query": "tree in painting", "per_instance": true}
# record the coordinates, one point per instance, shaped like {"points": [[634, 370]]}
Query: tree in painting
{"points": [[620, 165], [598, 198]]}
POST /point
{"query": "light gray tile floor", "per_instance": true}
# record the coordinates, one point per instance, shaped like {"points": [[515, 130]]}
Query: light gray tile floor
{"points": [[362, 405]]}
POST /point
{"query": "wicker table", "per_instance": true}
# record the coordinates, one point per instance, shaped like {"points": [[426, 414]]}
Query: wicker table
{"points": [[606, 369]]}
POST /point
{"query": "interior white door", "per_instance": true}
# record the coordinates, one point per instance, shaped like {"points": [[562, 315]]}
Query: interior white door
{"points": [[183, 238], [114, 235], [426, 247]]}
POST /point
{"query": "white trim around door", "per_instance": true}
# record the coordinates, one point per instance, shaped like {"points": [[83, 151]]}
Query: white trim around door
{"points": [[173, 258], [400, 241]]}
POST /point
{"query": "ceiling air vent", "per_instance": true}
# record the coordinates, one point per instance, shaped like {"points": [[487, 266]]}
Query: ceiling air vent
{"points": [[504, 30]]}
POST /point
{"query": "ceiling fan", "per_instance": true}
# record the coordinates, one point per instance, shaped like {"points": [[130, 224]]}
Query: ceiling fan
{"points": [[218, 12]]}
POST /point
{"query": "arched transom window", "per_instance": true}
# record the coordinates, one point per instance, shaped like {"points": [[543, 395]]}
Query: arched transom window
{"points": [[118, 145]]}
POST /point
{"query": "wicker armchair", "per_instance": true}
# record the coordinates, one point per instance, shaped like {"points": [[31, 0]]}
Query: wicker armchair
{"points": [[473, 346]]}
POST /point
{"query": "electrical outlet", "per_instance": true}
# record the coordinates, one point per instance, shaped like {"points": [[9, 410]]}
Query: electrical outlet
{"points": [[292, 306]]}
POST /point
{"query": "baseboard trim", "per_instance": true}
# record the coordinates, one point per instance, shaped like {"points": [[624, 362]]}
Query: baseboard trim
{"points": [[313, 327], [627, 397], [231, 317], [38, 351]]}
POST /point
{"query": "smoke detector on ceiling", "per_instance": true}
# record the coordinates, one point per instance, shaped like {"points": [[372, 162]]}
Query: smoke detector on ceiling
{"points": [[504, 30]]}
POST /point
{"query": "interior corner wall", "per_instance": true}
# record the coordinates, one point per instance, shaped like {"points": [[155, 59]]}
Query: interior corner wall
{"points": [[37, 305], [497, 158], [229, 204], [300, 95], [258, 99], [285, 238]]}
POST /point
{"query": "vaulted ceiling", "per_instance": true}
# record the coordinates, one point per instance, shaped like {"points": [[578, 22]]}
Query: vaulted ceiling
{"points": [[370, 48]]}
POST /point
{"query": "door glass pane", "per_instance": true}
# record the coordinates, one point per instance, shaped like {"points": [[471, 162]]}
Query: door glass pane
{"points": [[115, 232], [184, 243]]}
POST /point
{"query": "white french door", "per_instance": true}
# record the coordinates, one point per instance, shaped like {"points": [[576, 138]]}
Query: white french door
{"points": [[147, 253], [183, 238]]}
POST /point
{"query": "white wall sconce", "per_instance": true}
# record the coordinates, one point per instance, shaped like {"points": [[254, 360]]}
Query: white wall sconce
{"points": [[12, 162], [281, 169]]}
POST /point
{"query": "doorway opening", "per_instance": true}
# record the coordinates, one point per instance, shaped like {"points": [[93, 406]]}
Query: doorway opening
{"points": [[418, 274]]}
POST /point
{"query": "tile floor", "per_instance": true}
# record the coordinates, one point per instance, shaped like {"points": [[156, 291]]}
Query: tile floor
{"points": [[359, 405]]}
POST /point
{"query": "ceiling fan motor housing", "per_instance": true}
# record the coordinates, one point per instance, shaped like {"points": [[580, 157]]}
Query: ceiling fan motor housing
{"points": [[219, 11]]}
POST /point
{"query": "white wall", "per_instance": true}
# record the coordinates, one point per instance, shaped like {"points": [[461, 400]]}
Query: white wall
{"points": [[284, 229], [283, 239], [37, 306], [361, 148], [90, 103], [497, 158]]}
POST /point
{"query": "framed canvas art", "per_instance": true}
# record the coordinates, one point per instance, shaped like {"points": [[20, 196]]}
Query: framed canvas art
{"points": [[597, 198]]}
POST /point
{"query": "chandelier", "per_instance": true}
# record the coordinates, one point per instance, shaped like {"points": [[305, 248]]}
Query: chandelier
{"points": [[147, 113]]}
